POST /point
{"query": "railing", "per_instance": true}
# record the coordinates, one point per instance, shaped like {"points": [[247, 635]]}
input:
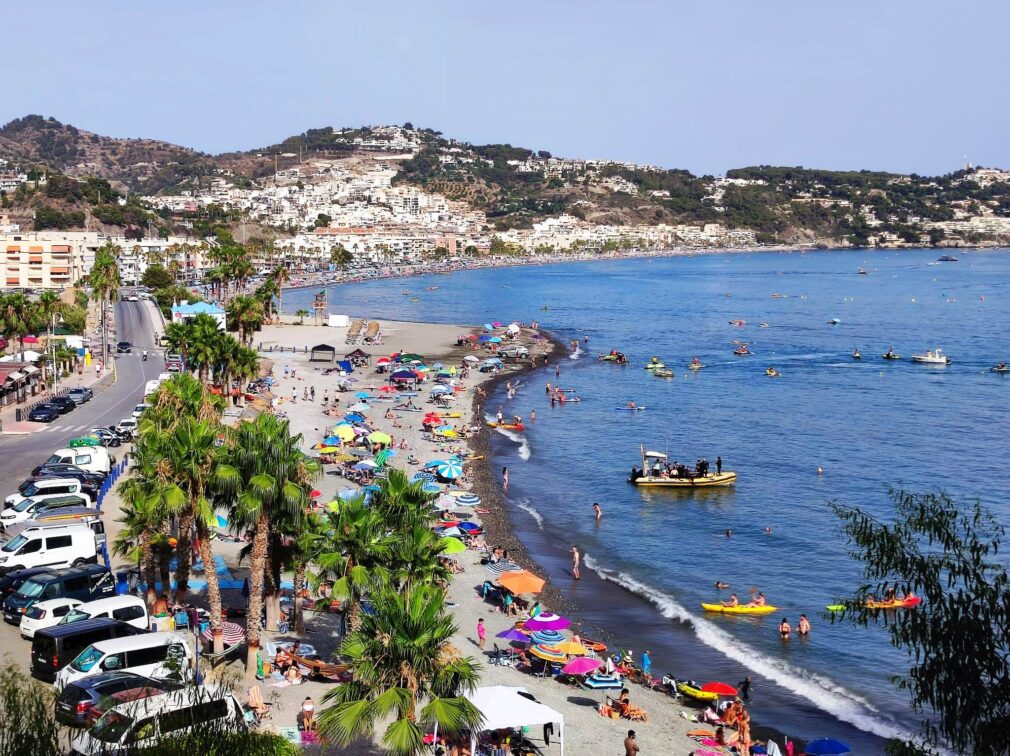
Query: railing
{"points": [[281, 348], [22, 413]]}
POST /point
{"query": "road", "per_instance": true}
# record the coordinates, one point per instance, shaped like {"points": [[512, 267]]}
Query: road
{"points": [[111, 403]]}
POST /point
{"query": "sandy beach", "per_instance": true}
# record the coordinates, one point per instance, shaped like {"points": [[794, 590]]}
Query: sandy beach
{"points": [[585, 728]]}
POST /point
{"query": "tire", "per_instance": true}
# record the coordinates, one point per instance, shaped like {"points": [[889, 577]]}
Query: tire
{"points": [[79, 563]]}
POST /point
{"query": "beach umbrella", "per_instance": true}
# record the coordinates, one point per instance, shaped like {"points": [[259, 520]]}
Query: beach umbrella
{"points": [[603, 682], [547, 653], [343, 432], [354, 417], [581, 666], [345, 458], [350, 493], [471, 527], [383, 361], [719, 688], [365, 464], [411, 357], [548, 621], [383, 456], [450, 469], [421, 476], [362, 395], [359, 407], [521, 582], [501, 567], [468, 500], [387, 389], [231, 633], [358, 452], [495, 340], [550, 637], [496, 324], [471, 358], [485, 339], [441, 389], [516, 636], [328, 449], [434, 463], [378, 437], [331, 440], [825, 747], [573, 649], [453, 531], [488, 327], [452, 546]]}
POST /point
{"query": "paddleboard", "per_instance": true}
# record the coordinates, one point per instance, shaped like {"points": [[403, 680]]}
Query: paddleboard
{"points": [[630, 409]]}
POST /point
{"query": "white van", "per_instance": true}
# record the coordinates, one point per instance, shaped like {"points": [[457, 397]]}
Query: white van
{"points": [[43, 488], [94, 459], [147, 654], [143, 723], [49, 546], [129, 609], [26, 509], [151, 386]]}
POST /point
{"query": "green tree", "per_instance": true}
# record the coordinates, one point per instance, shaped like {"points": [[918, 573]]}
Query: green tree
{"points": [[157, 277], [245, 315], [947, 552], [105, 283], [301, 316], [405, 668]]}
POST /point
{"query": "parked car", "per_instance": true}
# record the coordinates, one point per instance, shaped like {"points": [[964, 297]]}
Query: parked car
{"points": [[515, 352], [81, 394], [105, 437], [27, 509], [130, 609], [128, 425], [68, 516], [123, 347], [80, 703], [54, 546], [13, 580], [55, 647], [69, 471], [43, 413], [139, 410], [92, 458], [142, 724], [163, 655], [87, 582], [63, 403], [46, 614], [63, 470]]}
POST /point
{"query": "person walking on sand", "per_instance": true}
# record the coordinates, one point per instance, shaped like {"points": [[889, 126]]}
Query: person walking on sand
{"points": [[326, 396], [630, 746], [504, 479], [598, 511], [576, 558], [481, 633], [312, 393]]}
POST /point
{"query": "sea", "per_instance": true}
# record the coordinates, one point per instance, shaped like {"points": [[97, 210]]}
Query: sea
{"points": [[828, 429]]}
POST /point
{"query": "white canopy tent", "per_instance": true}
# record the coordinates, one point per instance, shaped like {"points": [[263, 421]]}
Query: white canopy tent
{"points": [[502, 706]]}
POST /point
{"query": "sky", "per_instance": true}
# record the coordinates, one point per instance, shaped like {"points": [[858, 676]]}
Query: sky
{"points": [[707, 85]]}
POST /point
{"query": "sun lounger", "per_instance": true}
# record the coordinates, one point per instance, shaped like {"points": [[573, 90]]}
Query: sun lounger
{"points": [[354, 331]]}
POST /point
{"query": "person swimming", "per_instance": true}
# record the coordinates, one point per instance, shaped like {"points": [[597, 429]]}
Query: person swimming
{"points": [[720, 585], [784, 630]]}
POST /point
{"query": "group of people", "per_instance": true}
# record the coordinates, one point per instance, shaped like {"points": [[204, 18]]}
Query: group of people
{"points": [[661, 469], [802, 627]]}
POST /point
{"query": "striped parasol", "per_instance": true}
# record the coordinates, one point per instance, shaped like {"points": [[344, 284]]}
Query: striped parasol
{"points": [[550, 637], [450, 469], [499, 567], [603, 682], [230, 632], [548, 653], [421, 476], [468, 500]]}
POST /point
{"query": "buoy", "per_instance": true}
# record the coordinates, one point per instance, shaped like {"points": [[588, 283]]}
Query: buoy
{"points": [[820, 470]]}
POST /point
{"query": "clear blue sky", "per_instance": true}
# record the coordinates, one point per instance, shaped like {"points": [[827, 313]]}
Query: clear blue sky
{"points": [[905, 85]]}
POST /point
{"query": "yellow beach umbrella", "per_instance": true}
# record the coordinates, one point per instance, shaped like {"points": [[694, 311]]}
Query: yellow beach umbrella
{"points": [[572, 648], [378, 437], [345, 458], [329, 449], [344, 432]]}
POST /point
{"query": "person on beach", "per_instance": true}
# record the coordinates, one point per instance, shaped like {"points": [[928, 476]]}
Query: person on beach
{"points": [[630, 746], [312, 393], [784, 630], [576, 558], [733, 601], [646, 663], [598, 511], [294, 394], [481, 633], [501, 415], [535, 610], [803, 626], [504, 479]]}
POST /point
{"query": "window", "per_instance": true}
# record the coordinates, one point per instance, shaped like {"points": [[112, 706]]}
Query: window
{"points": [[208, 712], [128, 613], [32, 546], [114, 661], [61, 610], [75, 584], [14, 543], [59, 542], [52, 591], [87, 659], [84, 459], [144, 656], [143, 731]]}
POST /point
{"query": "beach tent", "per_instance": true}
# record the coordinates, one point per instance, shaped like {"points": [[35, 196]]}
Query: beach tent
{"points": [[502, 707], [322, 353], [360, 354]]}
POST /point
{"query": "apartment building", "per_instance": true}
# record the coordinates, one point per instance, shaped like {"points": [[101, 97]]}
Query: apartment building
{"points": [[47, 259]]}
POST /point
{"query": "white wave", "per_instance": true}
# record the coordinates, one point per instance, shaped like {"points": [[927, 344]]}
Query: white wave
{"points": [[820, 690], [576, 354], [527, 507], [524, 445]]}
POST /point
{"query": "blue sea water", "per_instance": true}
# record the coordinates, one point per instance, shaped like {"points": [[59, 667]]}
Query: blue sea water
{"points": [[869, 425]]}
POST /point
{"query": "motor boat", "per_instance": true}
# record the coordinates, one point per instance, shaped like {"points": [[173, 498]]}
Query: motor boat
{"points": [[932, 358], [653, 474], [741, 351], [863, 271]]}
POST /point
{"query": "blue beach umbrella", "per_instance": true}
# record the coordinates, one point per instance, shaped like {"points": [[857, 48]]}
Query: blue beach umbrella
{"points": [[469, 500], [430, 487], [547, 636], [484, 338], [362, 395], [450, 469], [331, 441], [354, 418], [827, 747], [434, 463], [495, 340], [421, 476], [488, 327], [603, 682]]}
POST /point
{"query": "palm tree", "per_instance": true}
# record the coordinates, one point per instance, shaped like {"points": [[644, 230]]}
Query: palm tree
{"points": [[402, 504], [144, 514], [191, 454], [182, 396], [265, 293], [19, 316], [414, 558], [105, 283], [204, 335], [353, 555], [280, 275], [301, 316], [245, 314], [265, 477], [403, 665]]}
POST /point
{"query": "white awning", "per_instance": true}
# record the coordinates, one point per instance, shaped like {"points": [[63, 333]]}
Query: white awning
{"points": [[501, 706], [29, 369], [17, 375], [655, 455]]}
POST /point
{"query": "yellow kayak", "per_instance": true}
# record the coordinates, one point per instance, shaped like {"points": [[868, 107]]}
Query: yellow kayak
{"points": [[741, 609], [696, 693]]}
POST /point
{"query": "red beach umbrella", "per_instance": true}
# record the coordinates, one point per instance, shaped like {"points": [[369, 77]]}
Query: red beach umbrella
{"points": [[719, 688]]}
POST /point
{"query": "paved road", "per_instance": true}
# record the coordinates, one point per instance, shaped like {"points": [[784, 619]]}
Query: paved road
{"points": [[110, 404]]}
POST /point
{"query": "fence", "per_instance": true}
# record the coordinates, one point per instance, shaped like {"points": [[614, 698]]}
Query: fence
{"points": [[110, 480], [282, 348]]}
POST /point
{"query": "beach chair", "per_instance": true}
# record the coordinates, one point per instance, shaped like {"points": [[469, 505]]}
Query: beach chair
{"points": [[353, 332]]}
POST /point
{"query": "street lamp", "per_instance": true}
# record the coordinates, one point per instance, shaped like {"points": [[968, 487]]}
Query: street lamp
{"points": [[52, 340]]}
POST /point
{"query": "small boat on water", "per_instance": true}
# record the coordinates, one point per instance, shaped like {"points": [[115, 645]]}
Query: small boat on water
{"points": [[856, 355], [738, 322], [933, 357], [695, 365], [663, 373], [897, 603], [778, 296], [740, 609], [862, 271], [507, 426], [762, 325], [654, 364], [618, 358], [1001, 368], [834, 321], [890, 355], [657, 472], [946, 258], [772, 372], [741, 351]]}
